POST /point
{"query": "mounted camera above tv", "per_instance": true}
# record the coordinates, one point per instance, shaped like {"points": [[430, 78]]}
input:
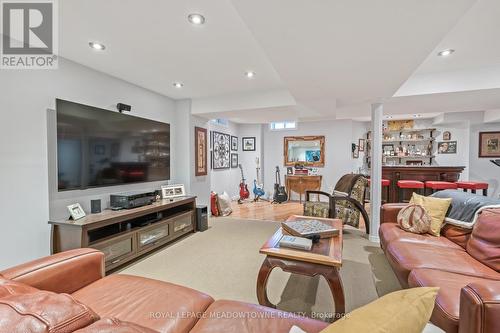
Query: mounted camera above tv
{"points": [[123, 107]]}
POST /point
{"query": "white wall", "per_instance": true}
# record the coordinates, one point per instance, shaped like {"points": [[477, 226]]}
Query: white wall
{"points": [[338, 160], [24, 171]]}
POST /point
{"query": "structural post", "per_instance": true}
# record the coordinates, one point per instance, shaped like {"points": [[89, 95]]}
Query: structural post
{"points": [[376, 171]]}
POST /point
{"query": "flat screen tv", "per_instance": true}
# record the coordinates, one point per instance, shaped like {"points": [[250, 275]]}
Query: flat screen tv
{"points": [[98, 147]]}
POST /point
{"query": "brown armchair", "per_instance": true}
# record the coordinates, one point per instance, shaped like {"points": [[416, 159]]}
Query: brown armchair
{"points": [[345, 203]]}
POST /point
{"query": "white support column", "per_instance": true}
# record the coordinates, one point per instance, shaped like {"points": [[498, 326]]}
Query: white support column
{"points": [[376, 171]]}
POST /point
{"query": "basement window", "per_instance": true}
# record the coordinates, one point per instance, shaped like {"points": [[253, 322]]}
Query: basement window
{"points": [[220, 122], [283, 125]]}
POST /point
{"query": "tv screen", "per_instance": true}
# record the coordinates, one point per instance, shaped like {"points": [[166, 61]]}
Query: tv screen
{"points": [[98, 147]]}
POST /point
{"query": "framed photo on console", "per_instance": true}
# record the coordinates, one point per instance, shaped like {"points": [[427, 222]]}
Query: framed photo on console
{"points": [[248, 143], [200, 148], [234, 143], [221, 150], [489, 144], [76, 211], [173, 191]]}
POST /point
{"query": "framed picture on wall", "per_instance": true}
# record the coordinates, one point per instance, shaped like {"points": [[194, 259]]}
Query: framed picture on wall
{"points": [[361, 144], [489, 144], [220, 150], [447, 136], [447, 147], [234, 143], [248, 143], [200, 149], [234, 160]]}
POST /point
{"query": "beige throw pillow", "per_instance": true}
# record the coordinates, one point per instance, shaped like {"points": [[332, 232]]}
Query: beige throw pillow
{"points": [[405, 311], [415, 219], [436, 207]]}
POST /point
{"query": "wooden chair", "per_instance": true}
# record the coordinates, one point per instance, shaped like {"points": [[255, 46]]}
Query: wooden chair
{"points": [[345, 203]]}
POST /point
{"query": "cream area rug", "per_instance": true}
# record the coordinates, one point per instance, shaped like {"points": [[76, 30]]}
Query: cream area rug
{"points": [[224, 262]]}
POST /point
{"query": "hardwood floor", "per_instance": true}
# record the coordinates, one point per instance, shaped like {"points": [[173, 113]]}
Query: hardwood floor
{"points": [[264, 210]]}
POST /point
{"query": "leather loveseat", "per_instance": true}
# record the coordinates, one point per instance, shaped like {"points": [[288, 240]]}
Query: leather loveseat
{"points": [[464, 263], [69, 292]]}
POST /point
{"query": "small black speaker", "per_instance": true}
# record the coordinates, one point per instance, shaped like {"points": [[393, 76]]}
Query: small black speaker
{"points": [[95, 206]]}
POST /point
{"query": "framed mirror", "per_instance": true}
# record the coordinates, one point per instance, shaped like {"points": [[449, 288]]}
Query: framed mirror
{"points": [[307, 150]]}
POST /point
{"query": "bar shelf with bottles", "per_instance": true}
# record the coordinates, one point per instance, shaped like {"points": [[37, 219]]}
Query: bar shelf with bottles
{"points": [[405, 147]]}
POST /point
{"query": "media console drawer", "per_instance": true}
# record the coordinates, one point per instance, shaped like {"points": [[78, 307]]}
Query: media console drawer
{"points": [[117, 250], [153, 235], [182, 223]]}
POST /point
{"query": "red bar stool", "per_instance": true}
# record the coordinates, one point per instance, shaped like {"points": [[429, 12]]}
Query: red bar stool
{"points": [[385, 185], [473, 186], [409, 184], [435, 185]]}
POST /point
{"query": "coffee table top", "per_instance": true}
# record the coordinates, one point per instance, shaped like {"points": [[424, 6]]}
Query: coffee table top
{"points": [[327, 252]]}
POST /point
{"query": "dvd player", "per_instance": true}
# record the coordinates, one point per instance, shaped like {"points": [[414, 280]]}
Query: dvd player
{"points": [[131, 199]]}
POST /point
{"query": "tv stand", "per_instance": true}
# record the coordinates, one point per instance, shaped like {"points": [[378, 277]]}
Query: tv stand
{"points": [[128, 234]]}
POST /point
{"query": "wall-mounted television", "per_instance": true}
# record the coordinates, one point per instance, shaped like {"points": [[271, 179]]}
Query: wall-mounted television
{"points": [[97, 147]]}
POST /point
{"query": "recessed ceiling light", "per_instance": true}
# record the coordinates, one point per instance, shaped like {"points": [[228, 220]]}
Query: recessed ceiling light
{"points": [[388, 117], [178, 85], [196, 19], [250, 74], [446, 52], [417, 115], [97, 46]]}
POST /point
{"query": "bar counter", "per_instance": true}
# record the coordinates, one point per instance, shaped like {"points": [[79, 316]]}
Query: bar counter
{"points": [[418, 172]]}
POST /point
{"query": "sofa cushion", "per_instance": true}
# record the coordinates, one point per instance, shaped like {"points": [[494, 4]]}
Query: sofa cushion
{"points": [[405, 256], [484, 241], [436, 208], [238, 317], [389, 232], [414, 219], [446, 311], [43, 312], [113, 325], [161, 306], [9, 287]]}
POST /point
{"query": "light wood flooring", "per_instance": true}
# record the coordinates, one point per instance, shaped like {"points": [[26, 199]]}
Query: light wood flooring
{"points": [[263, 210]]}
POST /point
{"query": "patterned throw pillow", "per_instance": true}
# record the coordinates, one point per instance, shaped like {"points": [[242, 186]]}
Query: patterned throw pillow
{"points": [[414, 218]]}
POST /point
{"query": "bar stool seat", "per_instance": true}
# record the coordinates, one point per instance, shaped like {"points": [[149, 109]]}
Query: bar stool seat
{"points": [[410, 184], [385, 183], [473, 186], [440, 185]]}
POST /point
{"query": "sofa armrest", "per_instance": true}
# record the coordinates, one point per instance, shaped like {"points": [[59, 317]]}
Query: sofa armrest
{"points": [[64, 272], [480, 308], [389, 212]]}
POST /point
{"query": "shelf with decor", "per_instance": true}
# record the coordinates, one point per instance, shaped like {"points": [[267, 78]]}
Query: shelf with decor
{"points": [[405, 146]]}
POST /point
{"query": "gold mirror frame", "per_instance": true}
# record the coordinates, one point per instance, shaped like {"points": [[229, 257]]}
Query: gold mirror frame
{"points": [[321, 140]]}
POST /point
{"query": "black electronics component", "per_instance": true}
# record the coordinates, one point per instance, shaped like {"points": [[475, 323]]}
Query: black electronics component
{"points": [[201, 218], [132, 199], [123, 107]]}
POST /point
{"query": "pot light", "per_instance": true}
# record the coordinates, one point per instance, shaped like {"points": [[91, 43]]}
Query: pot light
{"points": [[388, 117], [97, 46], [417, 115], [178, 85], [446, 52], [250, 74], [196, 19]]}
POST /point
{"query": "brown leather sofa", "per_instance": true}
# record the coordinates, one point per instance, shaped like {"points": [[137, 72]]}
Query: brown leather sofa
{"points": [[69, 292], [465, 264]]}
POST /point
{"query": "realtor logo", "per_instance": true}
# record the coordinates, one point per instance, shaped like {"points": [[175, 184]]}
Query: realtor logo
{"points": [[29, 34]]}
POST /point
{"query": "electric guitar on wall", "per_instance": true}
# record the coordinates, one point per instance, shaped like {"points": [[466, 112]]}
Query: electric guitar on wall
{"points": [[258, 189], [279, 190], [244, 193]]}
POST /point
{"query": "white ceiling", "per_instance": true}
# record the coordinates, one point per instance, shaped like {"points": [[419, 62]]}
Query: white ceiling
{"points": [[314, 60]]}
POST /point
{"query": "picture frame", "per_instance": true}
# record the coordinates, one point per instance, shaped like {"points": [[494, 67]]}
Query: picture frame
{"points": [[289, 170], [200, 151], [446, 135], [447, 147], [234, 143], [173, 191], [361, 144], [355, 151], [489, 144], [248, 143], [234, 160], [221, 150], [76, 211]]}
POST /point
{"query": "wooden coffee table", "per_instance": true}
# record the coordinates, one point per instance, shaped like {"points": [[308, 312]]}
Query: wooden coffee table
{"points": [[325, 258]]}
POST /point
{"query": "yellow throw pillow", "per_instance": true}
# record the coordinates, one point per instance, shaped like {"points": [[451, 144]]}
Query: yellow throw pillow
{"points": [[436, 207], [406, 311]]}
